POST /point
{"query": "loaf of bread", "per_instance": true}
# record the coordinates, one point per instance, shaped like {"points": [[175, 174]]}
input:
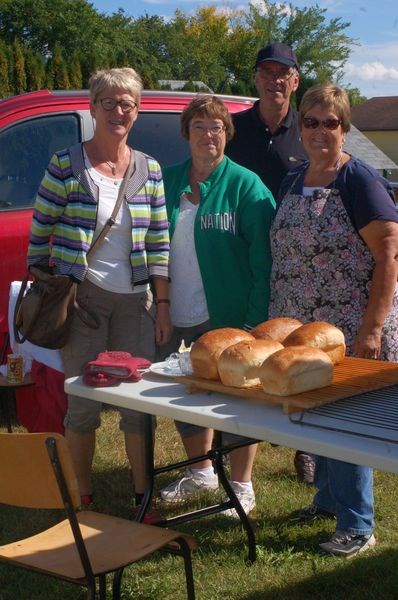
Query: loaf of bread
{"points": [[239, 364], [276, 329], [320, 335], [206, 350], [295, 370]]}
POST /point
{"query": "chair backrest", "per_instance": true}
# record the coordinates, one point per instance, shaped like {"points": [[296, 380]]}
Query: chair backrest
{"points": [[27, 477]]}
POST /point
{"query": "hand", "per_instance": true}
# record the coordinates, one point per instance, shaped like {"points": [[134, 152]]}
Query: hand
{"points": [[163, 326], [367, 345]]}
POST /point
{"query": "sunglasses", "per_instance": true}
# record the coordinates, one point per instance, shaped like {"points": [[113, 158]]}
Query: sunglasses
{"points": [[312, 123]]}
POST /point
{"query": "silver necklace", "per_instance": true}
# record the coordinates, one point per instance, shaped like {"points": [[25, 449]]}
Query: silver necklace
{"points": [[112, 167]]}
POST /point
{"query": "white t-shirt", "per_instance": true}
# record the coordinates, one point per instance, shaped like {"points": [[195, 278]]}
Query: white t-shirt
{"points": [[110, 267], [188, 306]]}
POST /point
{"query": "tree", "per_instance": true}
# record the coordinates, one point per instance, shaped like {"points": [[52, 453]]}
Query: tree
{"points": [[322, 48], [215, 45], [355, 96], [19, 69], [148, 49], [75, 72], [5, 88], [35, 70], [60, 70]]}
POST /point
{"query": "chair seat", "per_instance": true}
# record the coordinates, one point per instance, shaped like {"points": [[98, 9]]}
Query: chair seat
{"points": [[111, 543]]}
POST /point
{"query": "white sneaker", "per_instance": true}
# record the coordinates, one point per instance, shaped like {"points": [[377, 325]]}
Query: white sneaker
{"points": [[245, 497], [190, 484]]}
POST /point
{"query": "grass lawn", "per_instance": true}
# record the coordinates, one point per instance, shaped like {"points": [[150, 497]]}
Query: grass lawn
{"points": [[288, 566]]}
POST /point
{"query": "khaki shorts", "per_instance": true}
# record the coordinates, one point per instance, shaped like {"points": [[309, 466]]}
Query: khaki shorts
{"points": [[126, 324]]}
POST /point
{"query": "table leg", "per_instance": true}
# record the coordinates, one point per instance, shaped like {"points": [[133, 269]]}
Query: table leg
{"points": [[6, 412], [150, 468], [216, 456]]}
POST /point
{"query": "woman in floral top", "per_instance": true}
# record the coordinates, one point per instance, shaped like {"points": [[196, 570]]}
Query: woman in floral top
{"points": [[334, 246]]}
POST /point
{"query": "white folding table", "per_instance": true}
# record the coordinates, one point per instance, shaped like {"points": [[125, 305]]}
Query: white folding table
{"points": [[345, 430]]}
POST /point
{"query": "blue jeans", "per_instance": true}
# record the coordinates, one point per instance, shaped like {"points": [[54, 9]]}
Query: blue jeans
{"points": [[347, 491]]}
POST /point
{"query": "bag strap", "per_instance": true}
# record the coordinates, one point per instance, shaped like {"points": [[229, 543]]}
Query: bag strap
{"points": [[18, 338], [112, 219]]}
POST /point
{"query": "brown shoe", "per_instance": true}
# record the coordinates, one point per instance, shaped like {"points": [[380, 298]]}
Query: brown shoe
{"points": [[305, 467]]}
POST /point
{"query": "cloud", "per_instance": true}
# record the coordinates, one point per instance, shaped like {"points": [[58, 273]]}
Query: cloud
{"points": [[371, 71]]}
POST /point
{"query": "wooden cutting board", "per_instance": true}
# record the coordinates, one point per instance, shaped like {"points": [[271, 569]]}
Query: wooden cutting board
{"points": [[351, 377]]}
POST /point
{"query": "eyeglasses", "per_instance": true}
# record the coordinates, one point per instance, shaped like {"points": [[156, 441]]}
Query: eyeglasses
{"points": [[110, 104], [201, 129], [313, 123], [275, 75]]}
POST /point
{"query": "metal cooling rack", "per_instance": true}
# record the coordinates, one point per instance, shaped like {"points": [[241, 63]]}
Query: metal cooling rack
{"points": [[370, 415]]}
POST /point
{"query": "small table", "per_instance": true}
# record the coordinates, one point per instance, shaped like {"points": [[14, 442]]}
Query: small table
{"points": [[6, 385]]}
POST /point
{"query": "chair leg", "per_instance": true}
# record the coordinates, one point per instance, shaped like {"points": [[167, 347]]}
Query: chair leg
{"points": [[117, 582], [102, 587], [186, 553], [91, 591]]}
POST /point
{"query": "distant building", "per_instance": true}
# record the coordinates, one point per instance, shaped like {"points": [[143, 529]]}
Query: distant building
{"points": [[362, 147], [179, 84], [377, 118]]}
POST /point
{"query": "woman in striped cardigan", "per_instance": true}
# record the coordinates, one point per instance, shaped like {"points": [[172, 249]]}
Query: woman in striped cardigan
{"points": [[75, 199]]}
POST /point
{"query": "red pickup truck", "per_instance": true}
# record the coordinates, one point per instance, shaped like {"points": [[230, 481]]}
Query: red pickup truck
{"points": [[35, 125]]}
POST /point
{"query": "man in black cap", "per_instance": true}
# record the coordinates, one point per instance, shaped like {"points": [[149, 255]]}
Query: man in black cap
{"points": [[267, 137], [267, 141]]}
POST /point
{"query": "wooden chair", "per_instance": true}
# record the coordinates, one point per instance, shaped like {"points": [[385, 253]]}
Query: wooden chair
{"points": [[36, 471]]}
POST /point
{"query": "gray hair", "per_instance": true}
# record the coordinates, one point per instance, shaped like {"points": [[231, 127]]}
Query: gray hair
{"points": [[125, 78]]}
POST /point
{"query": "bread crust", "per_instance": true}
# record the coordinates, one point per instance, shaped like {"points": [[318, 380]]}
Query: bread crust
{"points": [[207, 349], [238, 365], [294, 370], [322, 335], [277, 329]]}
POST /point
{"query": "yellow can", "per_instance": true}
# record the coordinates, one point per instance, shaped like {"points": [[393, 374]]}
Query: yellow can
{"points": [[15, 372]]}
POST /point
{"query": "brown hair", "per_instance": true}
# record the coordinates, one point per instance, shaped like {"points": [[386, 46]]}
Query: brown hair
{"points": [[331, 96], [205, 105]]}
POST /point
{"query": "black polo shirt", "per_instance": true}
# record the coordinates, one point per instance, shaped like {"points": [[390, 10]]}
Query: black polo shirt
{"points": [[269, 155]]}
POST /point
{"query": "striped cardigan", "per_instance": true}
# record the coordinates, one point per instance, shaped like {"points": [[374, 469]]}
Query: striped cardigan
{"points": [[65, 214]]}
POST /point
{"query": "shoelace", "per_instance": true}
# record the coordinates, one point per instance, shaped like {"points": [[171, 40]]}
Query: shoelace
{"points": [[181, 482], [343, 538]]}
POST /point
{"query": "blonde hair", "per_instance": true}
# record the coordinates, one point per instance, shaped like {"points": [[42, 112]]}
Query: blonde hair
{"points": [[331, 96], [205, 105], [125, 78]]}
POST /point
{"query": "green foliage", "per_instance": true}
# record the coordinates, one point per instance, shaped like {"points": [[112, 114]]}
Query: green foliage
{"points": [[5, 87], [18, 69], [75, 72], [60, 70], [35, 70], [217, 47], [355, 96]]}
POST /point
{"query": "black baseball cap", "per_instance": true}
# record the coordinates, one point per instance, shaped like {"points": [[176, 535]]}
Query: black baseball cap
{"points": [[278, 52]]}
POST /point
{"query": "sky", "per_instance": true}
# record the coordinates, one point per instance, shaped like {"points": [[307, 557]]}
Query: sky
{"points": [[372, 66]]}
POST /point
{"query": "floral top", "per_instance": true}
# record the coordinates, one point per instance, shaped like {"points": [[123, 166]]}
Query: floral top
{"points": [[322, 268]]}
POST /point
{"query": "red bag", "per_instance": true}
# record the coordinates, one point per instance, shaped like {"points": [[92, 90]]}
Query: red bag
{"points": [[109, 368]]}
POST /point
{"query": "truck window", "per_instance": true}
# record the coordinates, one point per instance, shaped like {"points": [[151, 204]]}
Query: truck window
{"points": [[25, 150]]}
